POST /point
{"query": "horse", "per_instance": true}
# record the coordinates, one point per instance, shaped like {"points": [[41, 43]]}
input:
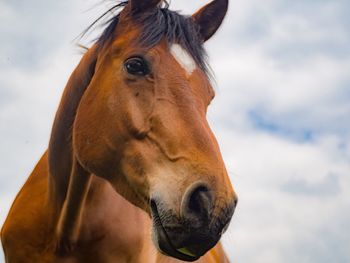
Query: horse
{"points": [[133, 172]]}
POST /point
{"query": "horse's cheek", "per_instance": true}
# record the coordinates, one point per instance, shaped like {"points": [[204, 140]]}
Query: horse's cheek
{"points": [[92, 143]]}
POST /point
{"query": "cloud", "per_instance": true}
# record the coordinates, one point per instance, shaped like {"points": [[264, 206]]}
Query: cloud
{"points": [[329, 186], [289, 193]]}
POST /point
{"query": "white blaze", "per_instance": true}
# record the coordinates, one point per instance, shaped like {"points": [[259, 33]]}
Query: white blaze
{"points": [[183, 58]]}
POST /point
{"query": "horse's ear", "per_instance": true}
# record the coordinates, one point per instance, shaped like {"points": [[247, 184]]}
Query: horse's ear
{"points": [[210, 17], [142, 5]]}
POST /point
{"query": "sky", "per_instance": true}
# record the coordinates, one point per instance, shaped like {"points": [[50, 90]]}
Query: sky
{"points": [[281, 114]]}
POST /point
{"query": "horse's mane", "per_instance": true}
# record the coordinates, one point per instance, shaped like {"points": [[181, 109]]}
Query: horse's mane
{"points": [[155, 25]]}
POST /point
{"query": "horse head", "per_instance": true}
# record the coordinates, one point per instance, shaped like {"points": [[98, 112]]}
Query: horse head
{"points": [[141, 123]]}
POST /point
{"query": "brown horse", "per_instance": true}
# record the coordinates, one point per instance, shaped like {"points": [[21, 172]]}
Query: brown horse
{"points": [[130, 133]]}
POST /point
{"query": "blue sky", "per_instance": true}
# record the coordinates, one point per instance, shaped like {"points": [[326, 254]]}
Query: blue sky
{"points": [[281, 114]]}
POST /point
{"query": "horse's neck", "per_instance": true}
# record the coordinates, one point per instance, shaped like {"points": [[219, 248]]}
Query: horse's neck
{"points": [[108, 214], [60, 146]]}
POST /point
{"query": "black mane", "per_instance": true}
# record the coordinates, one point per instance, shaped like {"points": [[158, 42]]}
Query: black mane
{"points": [[158, 24]]}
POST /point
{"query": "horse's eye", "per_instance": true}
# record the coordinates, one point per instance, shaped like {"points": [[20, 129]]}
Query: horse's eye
{"points": [[136, 66]]}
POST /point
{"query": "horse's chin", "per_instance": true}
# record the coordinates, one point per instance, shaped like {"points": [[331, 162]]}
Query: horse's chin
{"points": [[163, 243]]}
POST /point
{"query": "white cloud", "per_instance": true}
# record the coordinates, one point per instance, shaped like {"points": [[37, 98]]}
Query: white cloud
{"points": [[314, 90], [270, 222]]}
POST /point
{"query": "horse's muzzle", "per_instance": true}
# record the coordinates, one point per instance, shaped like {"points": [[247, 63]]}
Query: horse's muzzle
{"points": [[190, 235]]}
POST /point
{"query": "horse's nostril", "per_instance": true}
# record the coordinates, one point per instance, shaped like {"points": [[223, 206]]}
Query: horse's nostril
{"points": [[197, 203], [199, 200]]}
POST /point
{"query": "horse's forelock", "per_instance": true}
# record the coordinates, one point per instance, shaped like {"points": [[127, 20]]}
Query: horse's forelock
{"points": [[155, 25]]}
